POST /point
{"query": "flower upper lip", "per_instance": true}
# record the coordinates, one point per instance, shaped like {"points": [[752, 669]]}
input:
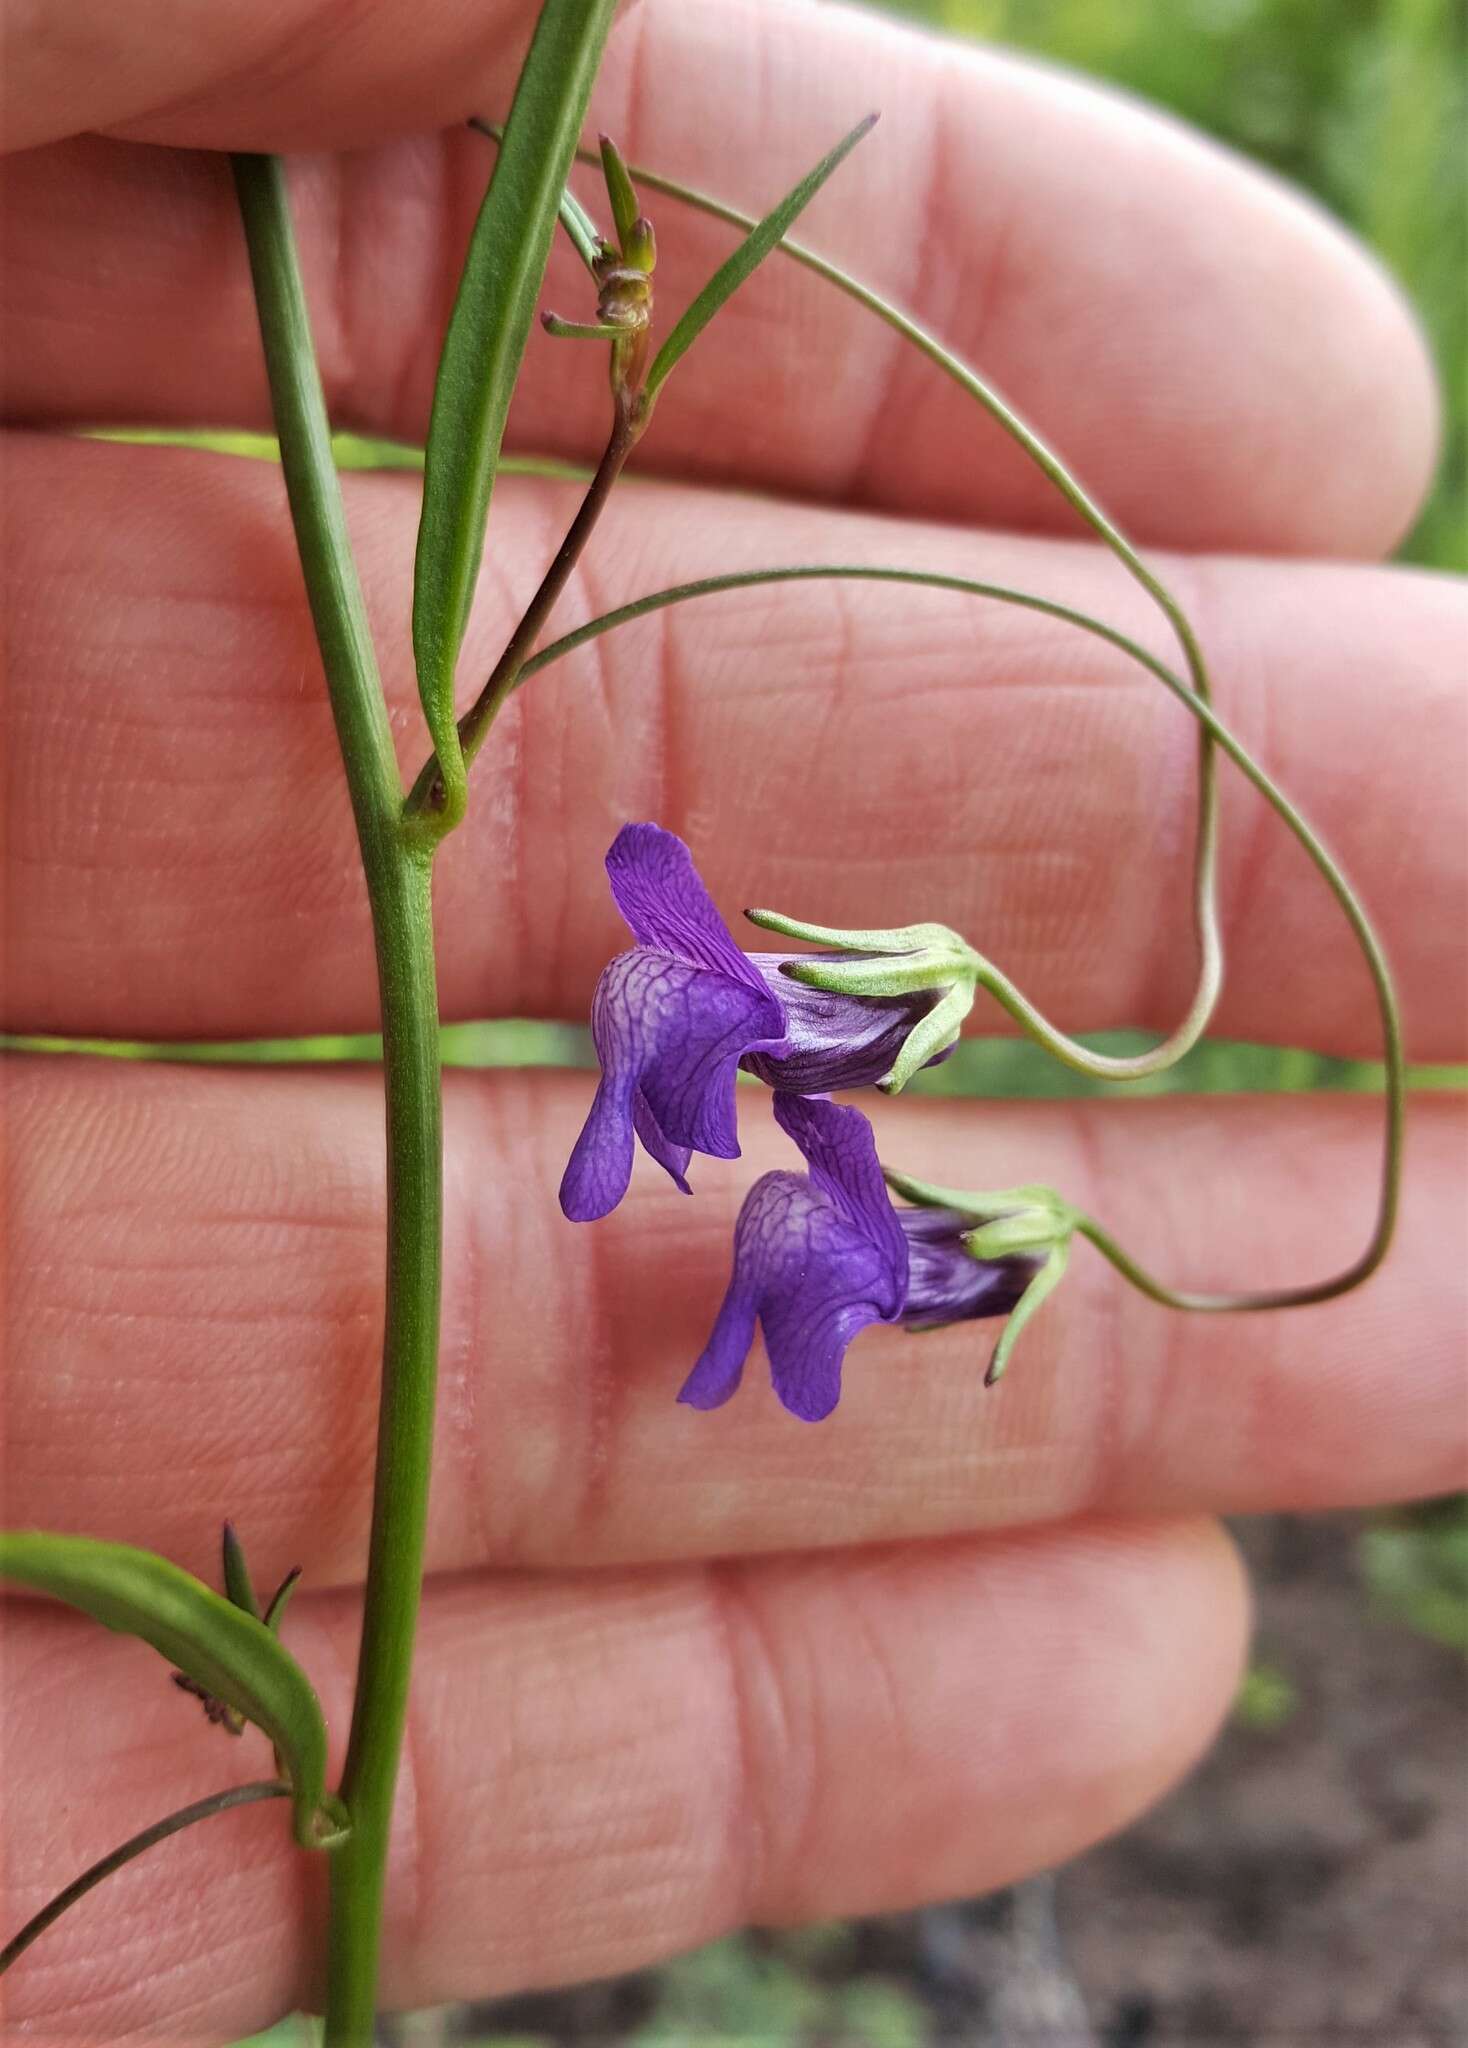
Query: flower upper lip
{"points": [[674, 1017]]}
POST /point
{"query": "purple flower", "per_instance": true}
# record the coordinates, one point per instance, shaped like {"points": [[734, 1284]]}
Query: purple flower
{"points": [[820, 1255], [675, 1017]]}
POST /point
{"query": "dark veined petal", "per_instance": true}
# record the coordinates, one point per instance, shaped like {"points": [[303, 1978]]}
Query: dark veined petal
{"points": [[840, 1147], [672, 1158], [719, 1370], [817, 1257], [669, 1037], [832, 1041], [813, 1278], [945, 1284], [661, 894]]}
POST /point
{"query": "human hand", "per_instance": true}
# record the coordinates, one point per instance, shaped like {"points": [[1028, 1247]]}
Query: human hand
{"points": [[620, 1746]]}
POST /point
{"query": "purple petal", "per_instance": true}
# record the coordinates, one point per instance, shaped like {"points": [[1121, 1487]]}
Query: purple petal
{"points": [[815, 1276], [841, 1149], [946, 1285], [661, 894], [669, 1037], [672, 1158], [600, 1165], [720, 1369], [832, 1041]]}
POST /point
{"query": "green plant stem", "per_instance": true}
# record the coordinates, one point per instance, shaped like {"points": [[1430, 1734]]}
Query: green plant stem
{"points": [[202, 1809], [1217, 732], [398, 876], [427, 790]]}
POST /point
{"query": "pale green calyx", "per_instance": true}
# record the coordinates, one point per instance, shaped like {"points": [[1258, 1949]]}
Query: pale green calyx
{"points": [[1025, 1222], [901, 960]]}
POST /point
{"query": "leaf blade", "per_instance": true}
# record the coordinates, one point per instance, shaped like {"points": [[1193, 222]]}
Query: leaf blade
{"points": [[752, 251], [227, 1651], [485, 342], [620, 195]]}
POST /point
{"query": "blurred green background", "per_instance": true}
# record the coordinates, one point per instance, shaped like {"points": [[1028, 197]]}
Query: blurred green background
{"points": [[1359, 101]]}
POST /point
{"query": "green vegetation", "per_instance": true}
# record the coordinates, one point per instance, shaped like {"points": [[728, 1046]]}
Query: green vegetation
{"points": [[1415, 1564], [1266, 1699], [991, 1068], [1364, 103]]}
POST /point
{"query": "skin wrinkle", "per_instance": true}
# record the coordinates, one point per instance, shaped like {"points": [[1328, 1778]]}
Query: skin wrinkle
{"points": [[1099, 1485], [657, 739], [897, 357], [1240, 867], [337, 182], [634, 112], [713, 723], [530, 920], [1254, 1423], [693, 1239], [740, 1642], [1288, 1189], [602, 1409], [842, 659], [284, 56], [466, 1258]]}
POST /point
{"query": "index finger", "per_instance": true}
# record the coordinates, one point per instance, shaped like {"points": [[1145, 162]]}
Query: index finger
{"points": [[1219, 364]]}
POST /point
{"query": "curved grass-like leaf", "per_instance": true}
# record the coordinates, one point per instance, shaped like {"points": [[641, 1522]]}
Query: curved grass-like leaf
{"points": [[752, 251], [137, 1845], [228, 1652], [483, 347]]}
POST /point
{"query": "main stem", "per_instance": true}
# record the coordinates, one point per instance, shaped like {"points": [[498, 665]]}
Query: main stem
{"points": [[399, 879]]}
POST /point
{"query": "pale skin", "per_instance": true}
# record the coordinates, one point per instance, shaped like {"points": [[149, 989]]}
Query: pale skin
{"points": [[678, 1672]]}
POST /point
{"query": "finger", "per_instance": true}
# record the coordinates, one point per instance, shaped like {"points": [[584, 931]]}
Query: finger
{"points": [[1254, 385], [600, 1771], [846, 753], [197, 1318]]}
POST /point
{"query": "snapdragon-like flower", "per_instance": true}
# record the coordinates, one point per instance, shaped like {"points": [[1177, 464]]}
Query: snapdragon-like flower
{"points": [[675, 1017], [819, 1256]]}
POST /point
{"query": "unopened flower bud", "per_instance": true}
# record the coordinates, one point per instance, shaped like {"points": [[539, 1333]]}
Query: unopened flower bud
{"points": [[1027, 1222], [901, 961], [641, 252]]}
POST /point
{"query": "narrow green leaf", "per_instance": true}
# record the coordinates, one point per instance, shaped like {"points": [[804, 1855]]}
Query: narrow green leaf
{"points": [[585, 236], [230, 1653], [137, 1845], [751, 252], [582, 231], [280, 1599], [482, 350], [238, 1584], [620, 195]]}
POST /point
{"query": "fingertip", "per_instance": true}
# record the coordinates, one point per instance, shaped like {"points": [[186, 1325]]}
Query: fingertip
{"points": [[1371, 407]]}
